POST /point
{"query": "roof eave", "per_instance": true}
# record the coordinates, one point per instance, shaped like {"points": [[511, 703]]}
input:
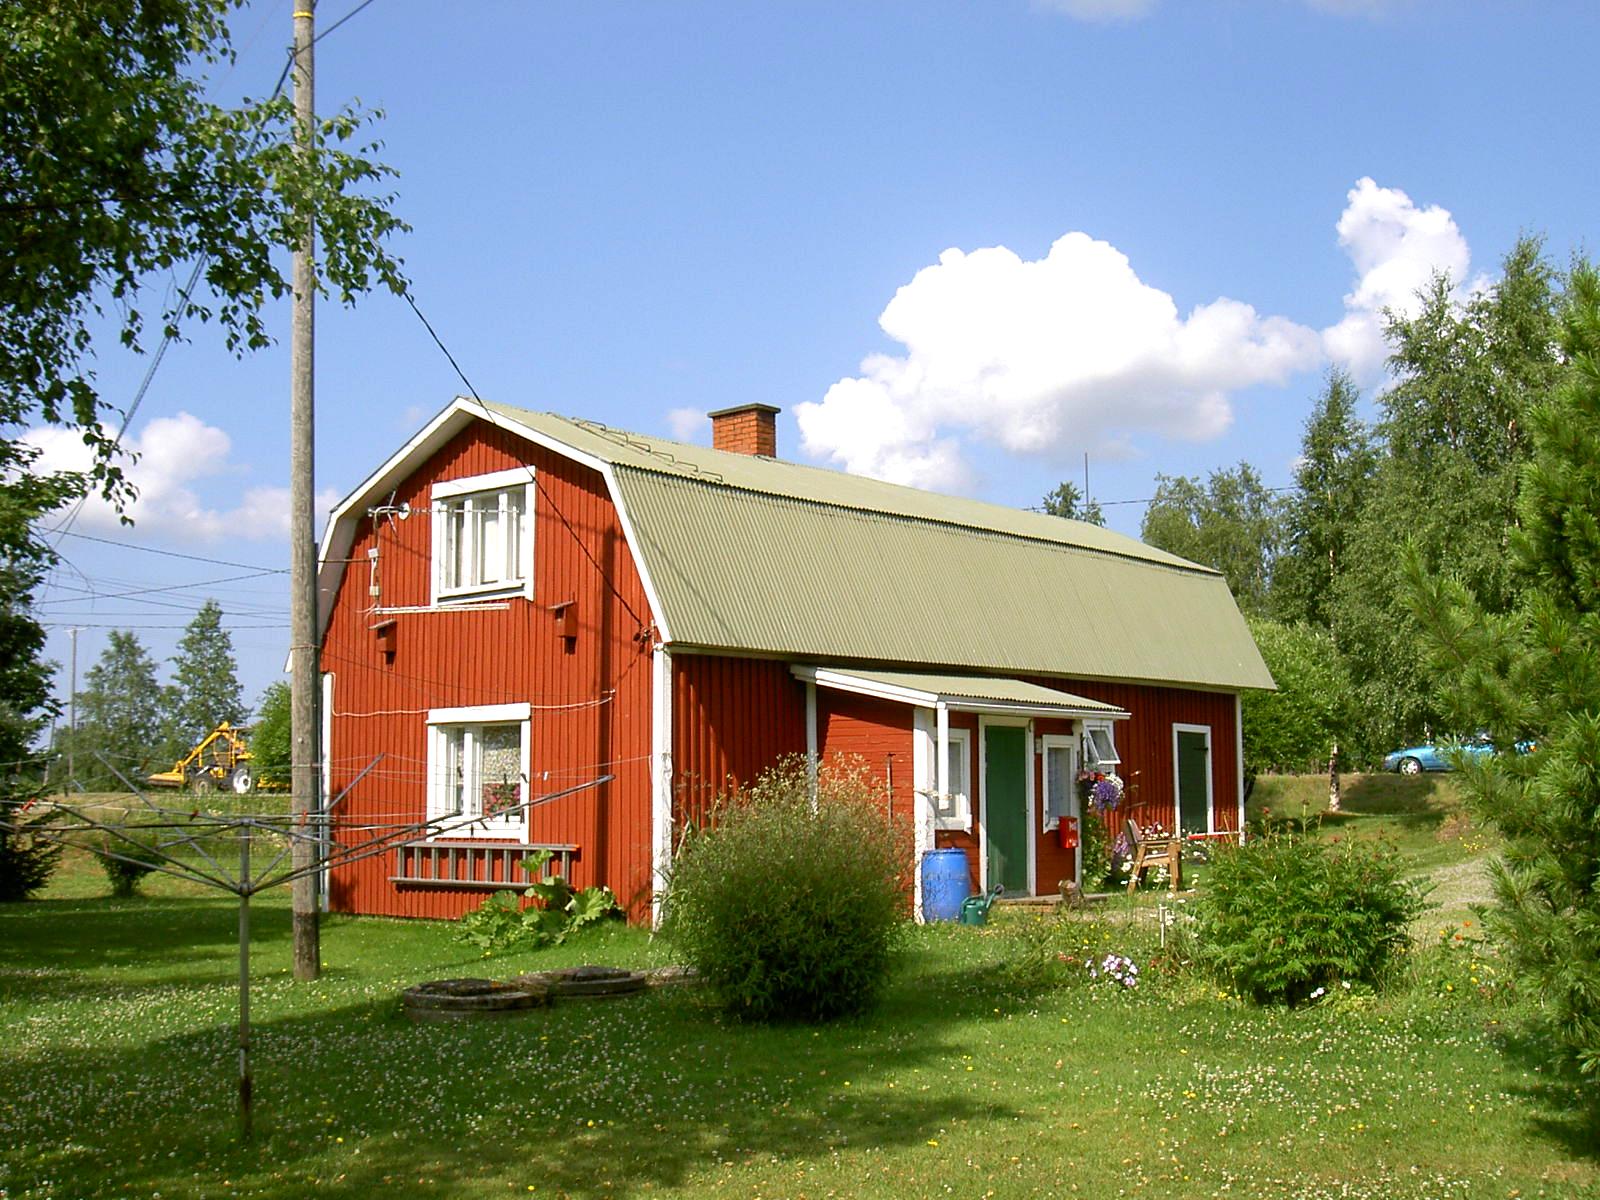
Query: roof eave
{"points": [[844, 681]]}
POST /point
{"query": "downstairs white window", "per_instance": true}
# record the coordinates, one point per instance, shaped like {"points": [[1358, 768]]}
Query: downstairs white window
{"points": [[478, 771], [1060, 780], [952, 809]]}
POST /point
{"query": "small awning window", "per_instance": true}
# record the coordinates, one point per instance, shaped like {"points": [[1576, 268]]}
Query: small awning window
{"points": [[1099, 747]]}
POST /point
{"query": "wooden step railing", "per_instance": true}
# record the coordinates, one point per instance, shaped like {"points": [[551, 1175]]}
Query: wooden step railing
{"points": [[481, 866]]}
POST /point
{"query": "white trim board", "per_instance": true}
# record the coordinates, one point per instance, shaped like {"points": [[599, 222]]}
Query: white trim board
{"points": [[1177, 806], [660, 777]]}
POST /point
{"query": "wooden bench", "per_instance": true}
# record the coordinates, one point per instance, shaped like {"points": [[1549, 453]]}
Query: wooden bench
{"points": [[1149, 850], [480, 866]]}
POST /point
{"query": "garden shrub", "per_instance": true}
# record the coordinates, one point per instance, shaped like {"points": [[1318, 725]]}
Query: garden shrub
{"points": [[1287, 914], [791, 908], [124, 868]]}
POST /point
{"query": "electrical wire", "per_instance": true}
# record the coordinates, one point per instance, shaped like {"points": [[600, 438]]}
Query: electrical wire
{"points": [[216, 562]]}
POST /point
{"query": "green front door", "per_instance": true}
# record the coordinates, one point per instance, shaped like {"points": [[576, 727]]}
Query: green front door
{"points": [[1194, 775], [1005, 806]]}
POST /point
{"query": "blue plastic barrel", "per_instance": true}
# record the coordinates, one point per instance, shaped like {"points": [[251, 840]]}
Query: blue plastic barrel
{"points": [[944, 884]]}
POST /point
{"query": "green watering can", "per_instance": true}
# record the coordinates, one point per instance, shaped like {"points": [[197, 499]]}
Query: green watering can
{"points": [[975, 909]]}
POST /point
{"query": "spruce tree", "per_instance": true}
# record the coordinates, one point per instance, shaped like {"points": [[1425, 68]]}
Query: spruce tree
{"points": [[1534, 674], [1332, 481], [205, 679]]}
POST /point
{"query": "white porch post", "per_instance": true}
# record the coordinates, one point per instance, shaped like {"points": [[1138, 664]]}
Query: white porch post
{"points": [[941, 759], [1238, 758], [660, 776], [812, 749], [922, 782]]}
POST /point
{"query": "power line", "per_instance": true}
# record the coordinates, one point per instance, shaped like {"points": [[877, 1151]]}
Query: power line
{"points": [[170, 587], [132, 625], [215, 562], [353, 12]]}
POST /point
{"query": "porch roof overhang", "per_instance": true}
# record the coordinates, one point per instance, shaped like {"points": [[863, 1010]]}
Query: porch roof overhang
{"points": [[961, 693]]}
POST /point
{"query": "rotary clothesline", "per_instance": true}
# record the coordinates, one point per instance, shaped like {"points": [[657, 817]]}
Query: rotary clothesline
{"points": [[193, 829]]}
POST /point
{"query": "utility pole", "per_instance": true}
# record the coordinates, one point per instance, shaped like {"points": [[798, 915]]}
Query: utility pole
{"points": [[72, 716], [303, 688]]}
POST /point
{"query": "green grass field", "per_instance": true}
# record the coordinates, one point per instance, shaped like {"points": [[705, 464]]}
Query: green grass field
{"points": [[117, 1065]]}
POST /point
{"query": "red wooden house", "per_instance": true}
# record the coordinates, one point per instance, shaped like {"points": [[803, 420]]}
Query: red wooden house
{"points": [[518, 606]]}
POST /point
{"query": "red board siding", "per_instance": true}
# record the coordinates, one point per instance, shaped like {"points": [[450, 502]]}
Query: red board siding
{"points": [[590, 698], [732, 718], [877, 734]]}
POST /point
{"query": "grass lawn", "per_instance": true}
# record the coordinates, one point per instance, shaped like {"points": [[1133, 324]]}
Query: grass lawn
{"points": [[117, 1069]]}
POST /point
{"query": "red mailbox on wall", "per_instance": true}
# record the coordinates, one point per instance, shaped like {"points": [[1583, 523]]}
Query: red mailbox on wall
{"points": [[1068, 832]]}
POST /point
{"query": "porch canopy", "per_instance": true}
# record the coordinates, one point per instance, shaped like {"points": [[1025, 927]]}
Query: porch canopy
{"points": [[962, 693]]}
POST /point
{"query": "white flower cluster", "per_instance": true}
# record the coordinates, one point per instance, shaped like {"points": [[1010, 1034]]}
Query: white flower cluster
{"points": [[1117, 968]]}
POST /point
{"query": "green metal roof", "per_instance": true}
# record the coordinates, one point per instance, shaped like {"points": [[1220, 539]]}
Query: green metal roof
{"points": [[973, 689], [756, 555], [818, 485], [771, 557]]}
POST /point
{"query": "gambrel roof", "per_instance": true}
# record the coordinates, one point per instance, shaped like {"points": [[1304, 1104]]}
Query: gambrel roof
{"points": [[761, 556]]}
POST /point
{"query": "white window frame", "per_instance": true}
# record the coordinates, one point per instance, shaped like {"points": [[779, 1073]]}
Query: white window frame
{"points": [[1047, 743], [502, 485], [1092, 760], [955, 810], [443, 725]]}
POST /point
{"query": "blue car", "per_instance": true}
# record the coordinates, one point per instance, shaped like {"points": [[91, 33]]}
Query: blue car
{"points": [[1414, 760]]}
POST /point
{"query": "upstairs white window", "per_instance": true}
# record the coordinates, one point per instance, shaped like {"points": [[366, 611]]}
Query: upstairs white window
{"points": [[952, 809], [482, 536], [1099, 747], [478, 770]]}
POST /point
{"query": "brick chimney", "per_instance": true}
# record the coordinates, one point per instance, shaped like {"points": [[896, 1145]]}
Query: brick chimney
{"points": [[746, 429]]}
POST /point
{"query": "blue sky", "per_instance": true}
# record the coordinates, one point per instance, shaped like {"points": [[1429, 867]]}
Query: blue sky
{"points": [[960, 244]]}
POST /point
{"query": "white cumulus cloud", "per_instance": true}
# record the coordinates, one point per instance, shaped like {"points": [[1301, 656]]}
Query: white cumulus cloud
{"points": [[1396, 248], [1042, 356], [1051, 356], [175, 455]]}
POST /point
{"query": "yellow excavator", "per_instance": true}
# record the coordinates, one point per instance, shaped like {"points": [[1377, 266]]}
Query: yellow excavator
{"points": [[220, 761]]}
